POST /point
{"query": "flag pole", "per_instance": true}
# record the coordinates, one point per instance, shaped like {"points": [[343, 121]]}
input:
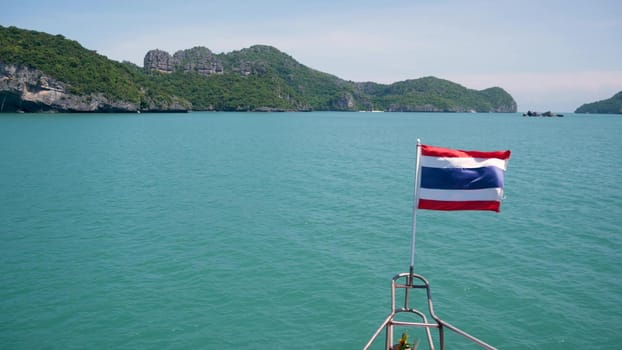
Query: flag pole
{"points": [[415, 205]]}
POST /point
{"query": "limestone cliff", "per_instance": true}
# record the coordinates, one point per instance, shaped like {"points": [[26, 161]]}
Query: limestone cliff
{"points": [[204, 62], [24, 89], [196, 60], [160, 61], [29, 90]]}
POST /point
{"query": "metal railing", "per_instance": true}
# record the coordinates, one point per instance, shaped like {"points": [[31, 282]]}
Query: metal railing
{"points": [[390, 322]]}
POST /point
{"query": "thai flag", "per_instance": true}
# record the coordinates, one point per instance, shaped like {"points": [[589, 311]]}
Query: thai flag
{"points": [[461, 180]]}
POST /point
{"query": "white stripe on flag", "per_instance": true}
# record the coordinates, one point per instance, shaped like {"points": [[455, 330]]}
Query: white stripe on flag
{"points": [[486, 194], [448, 162]]}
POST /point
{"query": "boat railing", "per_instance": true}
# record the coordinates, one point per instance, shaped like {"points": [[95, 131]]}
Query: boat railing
{"points": [[414, 281]]}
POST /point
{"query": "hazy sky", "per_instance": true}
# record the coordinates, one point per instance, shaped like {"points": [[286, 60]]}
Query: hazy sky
{"points": [[549, 54]]}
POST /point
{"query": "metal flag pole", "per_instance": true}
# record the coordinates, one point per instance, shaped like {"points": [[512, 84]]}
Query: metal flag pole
{"points": [[415, 205]]}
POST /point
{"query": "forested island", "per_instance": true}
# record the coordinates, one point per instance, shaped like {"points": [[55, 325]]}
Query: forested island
{"points": [[40, 72], [611, 105]]}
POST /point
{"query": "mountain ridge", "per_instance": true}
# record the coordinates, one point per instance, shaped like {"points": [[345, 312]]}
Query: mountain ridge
{"points": [[257, 78]]}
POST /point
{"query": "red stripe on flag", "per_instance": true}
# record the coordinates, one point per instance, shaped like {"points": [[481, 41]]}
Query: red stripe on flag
{"points": [[465, 205], [434, 151]]}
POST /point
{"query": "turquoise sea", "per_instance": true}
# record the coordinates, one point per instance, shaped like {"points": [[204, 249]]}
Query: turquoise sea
{"points": [[283, 230]]}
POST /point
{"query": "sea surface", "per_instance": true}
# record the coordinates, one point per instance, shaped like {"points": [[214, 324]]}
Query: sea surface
{"points": [[283, 230]]}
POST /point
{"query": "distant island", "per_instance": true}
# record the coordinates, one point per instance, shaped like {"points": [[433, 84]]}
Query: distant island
{"points": [[611, 105], [40, 72]]}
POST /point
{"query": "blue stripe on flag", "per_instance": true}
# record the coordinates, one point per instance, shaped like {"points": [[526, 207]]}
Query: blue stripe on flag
{"points": [[463, 179]]}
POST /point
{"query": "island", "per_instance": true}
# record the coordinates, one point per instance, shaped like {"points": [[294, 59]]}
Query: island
{"points": [[40, 72], [611, 105]]}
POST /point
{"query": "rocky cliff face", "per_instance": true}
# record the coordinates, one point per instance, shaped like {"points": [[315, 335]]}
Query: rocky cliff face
{"points": [[159, 60], [24, 89], [196, 60], [202, 61], [29, 90], [199, 60]]}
